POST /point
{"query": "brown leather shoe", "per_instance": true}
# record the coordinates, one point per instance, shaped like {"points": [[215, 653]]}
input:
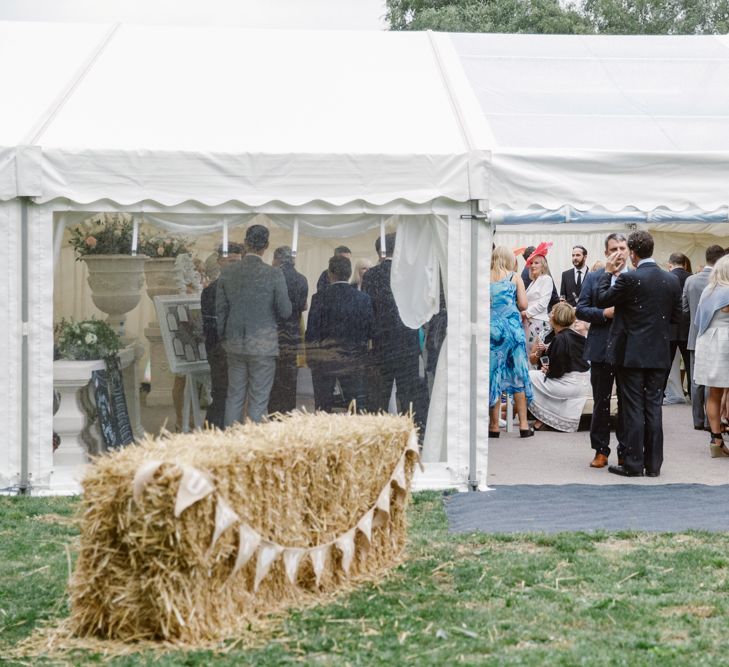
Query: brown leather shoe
{"points": [[621, 462], [600, 461]]}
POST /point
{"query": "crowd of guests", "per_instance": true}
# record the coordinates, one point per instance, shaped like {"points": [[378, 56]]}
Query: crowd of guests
{"points": [[610, 330], [355, 344]]}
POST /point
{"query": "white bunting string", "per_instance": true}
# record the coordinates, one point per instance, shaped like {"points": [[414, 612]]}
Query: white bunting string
{"points": [[196, 484]]}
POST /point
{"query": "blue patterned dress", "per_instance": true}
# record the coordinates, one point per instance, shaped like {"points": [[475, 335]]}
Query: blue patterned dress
{"points": [[509, 370]]}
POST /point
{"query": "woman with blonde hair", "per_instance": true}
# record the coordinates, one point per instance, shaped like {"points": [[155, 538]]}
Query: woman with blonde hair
{"points": [[361, 267], [711, 356], [562, 385], [508, 371], [539, 294]]}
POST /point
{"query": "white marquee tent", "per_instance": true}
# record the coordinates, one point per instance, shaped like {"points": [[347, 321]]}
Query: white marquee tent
{"points": [[338, 133]]}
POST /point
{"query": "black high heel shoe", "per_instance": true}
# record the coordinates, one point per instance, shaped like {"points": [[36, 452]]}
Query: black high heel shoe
{"points": [[526, 433], [717, 450]]}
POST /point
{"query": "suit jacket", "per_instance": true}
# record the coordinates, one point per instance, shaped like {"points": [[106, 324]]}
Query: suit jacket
{"points": [[588, 311], [289, 329], [250, 299], [646, 302], [680, 331], [339, 324], [692, 289], [209, 317], [391, 339], [568, 286]]}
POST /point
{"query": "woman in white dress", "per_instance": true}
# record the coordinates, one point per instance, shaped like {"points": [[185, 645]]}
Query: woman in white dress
{"points": [[711, 367], [539, 294], [562, 385]]}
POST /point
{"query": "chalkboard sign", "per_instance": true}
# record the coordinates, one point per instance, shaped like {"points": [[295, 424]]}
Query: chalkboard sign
{"points": [[111, 406]]}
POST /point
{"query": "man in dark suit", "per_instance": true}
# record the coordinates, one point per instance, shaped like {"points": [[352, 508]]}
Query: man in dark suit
{"points": [[602, 373], [323, 281], [250, 299], [337, 333], [215, 415], [395, 347], [646, 301], [573, 279], [283, 392], [677, 263]]}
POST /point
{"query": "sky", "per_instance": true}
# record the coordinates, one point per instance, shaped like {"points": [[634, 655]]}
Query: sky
{"points": [[293, 14]]}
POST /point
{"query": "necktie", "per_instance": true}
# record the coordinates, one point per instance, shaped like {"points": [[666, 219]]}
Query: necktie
{"points": [[579, 280]]}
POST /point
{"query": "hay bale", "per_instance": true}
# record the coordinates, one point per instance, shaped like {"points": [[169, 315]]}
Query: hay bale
{"points": [[303, 482]]}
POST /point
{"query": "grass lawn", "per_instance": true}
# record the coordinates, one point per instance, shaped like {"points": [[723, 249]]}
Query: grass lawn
{"points": [[574, 598]]}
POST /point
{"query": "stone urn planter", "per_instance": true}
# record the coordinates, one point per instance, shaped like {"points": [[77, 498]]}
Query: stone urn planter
{"points": [[116, 285], [162, 278]]}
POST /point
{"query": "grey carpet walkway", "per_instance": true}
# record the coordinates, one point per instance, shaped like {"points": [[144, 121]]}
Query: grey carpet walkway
{"points": [[583, 507]]}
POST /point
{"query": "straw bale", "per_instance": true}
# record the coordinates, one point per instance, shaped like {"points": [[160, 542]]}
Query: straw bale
{"points": [[300, 481]]}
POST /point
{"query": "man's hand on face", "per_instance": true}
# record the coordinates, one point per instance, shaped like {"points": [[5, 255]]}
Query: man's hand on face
{"points": [[614, 263]]}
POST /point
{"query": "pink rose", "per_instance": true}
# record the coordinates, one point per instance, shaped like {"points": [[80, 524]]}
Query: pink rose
{"points": [[91, 241], [161, 251]]}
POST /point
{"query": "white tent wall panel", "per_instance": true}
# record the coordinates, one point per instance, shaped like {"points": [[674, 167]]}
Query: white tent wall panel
{"points": [[10, 345]]}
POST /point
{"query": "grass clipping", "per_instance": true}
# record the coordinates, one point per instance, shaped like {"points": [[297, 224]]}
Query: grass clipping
{"points": [[300, 482]]}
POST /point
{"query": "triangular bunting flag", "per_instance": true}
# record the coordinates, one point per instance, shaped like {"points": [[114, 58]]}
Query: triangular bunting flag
{"points": [[143, 476], [194, 486], [345, 544], [399, 475], [318, 557], [248, 541], [267, 553], [365, 525], [292, 557], [383, 502], [225, 517], [413, 446]]}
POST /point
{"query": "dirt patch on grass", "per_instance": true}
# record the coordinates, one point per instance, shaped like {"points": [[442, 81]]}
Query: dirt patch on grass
{"points": [[480, 550], [700, 611]]}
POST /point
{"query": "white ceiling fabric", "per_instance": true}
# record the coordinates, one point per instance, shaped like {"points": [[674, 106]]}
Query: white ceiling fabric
{"points": [[214, 115], [610, 121]]}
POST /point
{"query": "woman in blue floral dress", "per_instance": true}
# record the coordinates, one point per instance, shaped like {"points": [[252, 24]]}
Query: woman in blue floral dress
{"points": [[509, 367]]}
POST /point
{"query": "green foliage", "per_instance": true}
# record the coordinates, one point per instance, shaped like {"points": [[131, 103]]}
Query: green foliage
{"points": [[85, 341], [104, 234], [507, 16], [655, 17], [658, 17]]}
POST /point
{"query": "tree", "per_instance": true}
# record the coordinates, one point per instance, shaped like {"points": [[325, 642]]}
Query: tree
{"points": [[629, 17], [528, 16], [657, 17]]}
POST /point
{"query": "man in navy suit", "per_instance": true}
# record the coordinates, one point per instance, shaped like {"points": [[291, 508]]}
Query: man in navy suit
{"points": [[337, 332], [395, 346], [602, 373], [646, 302]]}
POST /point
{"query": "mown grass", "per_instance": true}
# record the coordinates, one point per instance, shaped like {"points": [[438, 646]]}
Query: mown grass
{"points": [[567, 599]]}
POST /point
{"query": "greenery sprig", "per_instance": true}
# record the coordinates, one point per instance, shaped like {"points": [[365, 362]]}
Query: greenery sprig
{"points": [[85, 341]]}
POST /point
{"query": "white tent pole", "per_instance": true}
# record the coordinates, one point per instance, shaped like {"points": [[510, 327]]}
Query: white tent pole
{"points": [[383, 248], [225, 238], [135, 236], [473, 394], [295, 239], [24, 485]]}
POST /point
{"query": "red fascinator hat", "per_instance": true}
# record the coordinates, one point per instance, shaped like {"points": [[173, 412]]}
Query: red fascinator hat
{"points": [[540, 251]]}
